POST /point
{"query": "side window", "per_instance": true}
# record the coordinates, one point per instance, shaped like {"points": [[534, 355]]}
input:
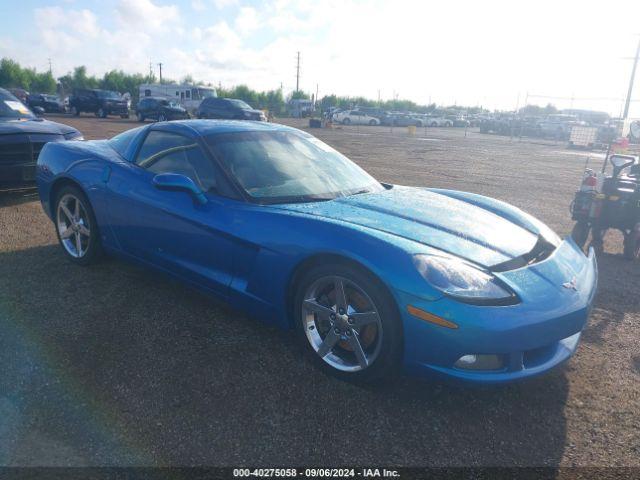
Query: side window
{"points": [[147, 93], [188, 93], [121, 142], [164, 152]]}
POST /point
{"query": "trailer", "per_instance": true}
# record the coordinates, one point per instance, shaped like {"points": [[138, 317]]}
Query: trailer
{"points": [[189, 96], [583, 137]]}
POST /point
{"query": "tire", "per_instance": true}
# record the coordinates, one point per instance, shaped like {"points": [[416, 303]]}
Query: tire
{"points": [[580, 233], [632, 246], [85, 228], [162, 117], [140, 117], [322, 328], [74, 111], [124, 116], [434, 124], [372, 123], [448, 124], [346, 121], [102, 113]]}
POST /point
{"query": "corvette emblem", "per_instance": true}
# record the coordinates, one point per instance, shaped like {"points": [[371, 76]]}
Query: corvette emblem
{"points": [[572, 285]]}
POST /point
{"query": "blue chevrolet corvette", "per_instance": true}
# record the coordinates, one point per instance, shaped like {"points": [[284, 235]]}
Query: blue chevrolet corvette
{"points": [[373, 277]]}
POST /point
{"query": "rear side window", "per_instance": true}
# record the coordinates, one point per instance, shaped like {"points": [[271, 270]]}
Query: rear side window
{"points": [[121, 142]]}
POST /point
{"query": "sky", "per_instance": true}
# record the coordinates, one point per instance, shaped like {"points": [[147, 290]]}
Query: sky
{"points": [[497, 54]]}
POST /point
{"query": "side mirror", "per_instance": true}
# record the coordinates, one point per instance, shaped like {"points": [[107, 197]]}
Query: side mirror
{"points": [[175, 181]]}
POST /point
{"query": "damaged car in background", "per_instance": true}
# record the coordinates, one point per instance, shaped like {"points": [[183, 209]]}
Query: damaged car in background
{"points": [[22, 136]]}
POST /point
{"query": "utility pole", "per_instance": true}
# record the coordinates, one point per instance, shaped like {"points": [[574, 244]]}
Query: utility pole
{"points": [[298, 72], [50, 72], [633, 77], [150, 70], [160, 65], [317, 87]]}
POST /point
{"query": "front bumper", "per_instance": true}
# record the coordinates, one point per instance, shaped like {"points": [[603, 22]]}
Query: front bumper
{"points": [[17, 176], [531, 337], [117, 109]]}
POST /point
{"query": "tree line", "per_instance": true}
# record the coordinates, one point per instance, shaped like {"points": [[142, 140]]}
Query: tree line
{"points": [[12, 75]]}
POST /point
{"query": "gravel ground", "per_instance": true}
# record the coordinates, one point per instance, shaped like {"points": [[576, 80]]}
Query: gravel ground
{"points": [[113, 365]]}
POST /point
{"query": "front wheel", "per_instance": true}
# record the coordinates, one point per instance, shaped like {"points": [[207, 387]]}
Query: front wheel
{"points": [[162, 117], [346, 121], [348, 323], [102, 113], [372, 122], [140, 117], [580, 233], [76, 226], [74, 111], [632, 246]]}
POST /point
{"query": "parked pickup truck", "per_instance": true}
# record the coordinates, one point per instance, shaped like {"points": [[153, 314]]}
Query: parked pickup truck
{"points": [[99, 102]]}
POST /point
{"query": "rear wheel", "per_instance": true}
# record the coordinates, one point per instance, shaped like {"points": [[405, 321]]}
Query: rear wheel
{"points": [[346, 121], [372, 122], [102, 113], [75, 111], [140, 117], [580, 233], [76, 226], [162, 117], [348, 323]]}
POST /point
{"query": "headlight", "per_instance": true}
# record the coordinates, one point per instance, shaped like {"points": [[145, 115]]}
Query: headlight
{"points": [[463, 281], [73, 136]]}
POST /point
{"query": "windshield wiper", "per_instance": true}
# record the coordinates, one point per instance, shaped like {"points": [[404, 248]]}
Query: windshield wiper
{"points": [[359, 192]]}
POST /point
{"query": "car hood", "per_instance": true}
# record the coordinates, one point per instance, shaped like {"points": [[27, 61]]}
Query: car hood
{"points": [[34, 126], [448, 224]]}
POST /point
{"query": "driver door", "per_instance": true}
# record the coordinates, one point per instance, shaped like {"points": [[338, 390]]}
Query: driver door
{"points": [[167, 228]]}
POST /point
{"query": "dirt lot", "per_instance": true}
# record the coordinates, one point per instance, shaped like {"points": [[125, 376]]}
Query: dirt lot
{"points": [[113, 365]]}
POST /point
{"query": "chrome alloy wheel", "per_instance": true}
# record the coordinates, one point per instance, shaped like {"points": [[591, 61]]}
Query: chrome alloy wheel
{"points": [[73, 226], [342, 323]]}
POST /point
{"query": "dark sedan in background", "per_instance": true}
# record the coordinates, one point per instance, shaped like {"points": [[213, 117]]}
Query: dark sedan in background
{"points": [[49, 103], [228, 109], [22, 136], [160, 109]]}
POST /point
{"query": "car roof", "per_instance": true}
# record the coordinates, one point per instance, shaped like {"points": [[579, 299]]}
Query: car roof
{"points": [[209, 127]]}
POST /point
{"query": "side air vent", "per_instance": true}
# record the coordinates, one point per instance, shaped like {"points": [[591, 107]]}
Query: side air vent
{"points": [[540, 251]]}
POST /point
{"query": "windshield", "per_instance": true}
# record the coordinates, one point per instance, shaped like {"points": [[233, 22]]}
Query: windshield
{"points": [[11, 107], [169, 103], [240, 104], [284, 167], [107, 94], [206, 92]]}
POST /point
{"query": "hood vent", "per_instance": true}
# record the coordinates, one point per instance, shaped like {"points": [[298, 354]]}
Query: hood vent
{"points": [[540, 251]]}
